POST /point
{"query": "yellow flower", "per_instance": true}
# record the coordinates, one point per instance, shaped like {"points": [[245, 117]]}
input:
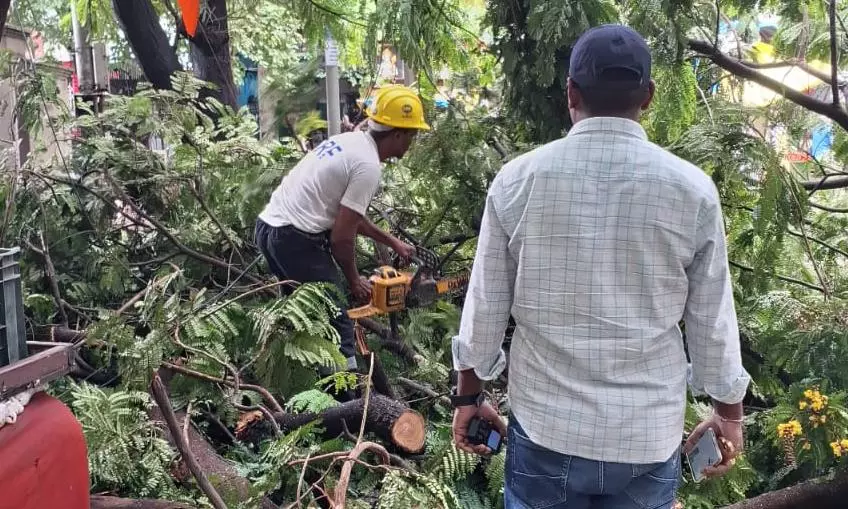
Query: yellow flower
{"points": [[822, 418], [808, 394], [807, 446], [844, 443], [789, 429], [837, 449], [802, 405], [817, 405]]}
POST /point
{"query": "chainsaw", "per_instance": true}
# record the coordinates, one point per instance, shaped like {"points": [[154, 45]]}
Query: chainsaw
{"points": [[394, 290]]}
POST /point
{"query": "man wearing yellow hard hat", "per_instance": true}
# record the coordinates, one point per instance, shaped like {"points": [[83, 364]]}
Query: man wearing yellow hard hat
{"points": [[312, 219]]}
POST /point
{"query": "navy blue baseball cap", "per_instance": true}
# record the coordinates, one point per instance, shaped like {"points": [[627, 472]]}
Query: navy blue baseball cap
{"points": [[610, 47]]}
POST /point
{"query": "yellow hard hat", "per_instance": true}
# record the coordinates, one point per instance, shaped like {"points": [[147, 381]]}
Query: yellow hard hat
{"points": [[398, 106]]}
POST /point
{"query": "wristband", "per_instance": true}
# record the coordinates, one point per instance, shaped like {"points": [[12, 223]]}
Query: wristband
{"points": [[468, 400]]}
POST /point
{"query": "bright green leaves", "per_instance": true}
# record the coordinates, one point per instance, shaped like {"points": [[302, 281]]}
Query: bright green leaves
{"points": [[675, 103]]}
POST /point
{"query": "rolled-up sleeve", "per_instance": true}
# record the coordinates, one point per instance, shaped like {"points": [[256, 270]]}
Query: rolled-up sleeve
{"points": [[712, 331], [488, 301]]}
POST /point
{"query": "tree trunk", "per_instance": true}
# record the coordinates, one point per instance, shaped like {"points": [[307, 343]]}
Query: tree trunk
{"points": [[815, 493], [103, 502], [210, 52], [210, 48], [148, 40], [390, 420], [4, 12]]}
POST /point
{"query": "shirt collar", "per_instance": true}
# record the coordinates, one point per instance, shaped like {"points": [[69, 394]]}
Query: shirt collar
{"points": [[609, 125]]}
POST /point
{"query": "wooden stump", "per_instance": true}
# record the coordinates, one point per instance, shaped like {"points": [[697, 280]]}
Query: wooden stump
{"points": [[389, 419]]}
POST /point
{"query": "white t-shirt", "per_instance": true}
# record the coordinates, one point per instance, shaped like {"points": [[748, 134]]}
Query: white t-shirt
{"points": [[343, 170]]}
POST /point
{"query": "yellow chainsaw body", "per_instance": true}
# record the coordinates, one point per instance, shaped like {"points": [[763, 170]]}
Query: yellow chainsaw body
{"points": [[388, 293]]}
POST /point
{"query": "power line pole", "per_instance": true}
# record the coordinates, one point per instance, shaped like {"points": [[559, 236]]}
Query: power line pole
{"points": [[82, 53], [331, 65]]}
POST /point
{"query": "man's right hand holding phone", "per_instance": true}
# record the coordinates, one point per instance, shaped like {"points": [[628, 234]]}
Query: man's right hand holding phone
{"points": [[726, 421]]}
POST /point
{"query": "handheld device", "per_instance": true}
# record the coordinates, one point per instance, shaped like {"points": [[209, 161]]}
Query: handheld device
{"points": [[705, 454], [482, 432]]}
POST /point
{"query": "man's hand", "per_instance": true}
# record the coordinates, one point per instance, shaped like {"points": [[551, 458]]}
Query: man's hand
{"points": [[730, 443], [462, 417], [404, 251], [361, 290]]}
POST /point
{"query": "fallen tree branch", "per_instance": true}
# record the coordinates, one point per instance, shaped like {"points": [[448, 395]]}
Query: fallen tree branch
{"points": [[421, 388], [160, 395], [818, 493], [390, 420], [347, 468], [265, 393], [161, 228], [738, 68], [105, 502], [50, 273]]}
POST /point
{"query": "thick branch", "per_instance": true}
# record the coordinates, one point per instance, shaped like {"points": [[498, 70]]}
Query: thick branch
{"points": [[160, 394], [814, 493], [738, 68], [102, 502], [140, 24], [828, 182], [804, 66]]}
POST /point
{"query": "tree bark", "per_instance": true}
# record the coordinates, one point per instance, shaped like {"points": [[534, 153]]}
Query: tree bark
{"points": [[148, 40], [738, 68], [104, 502], [210, 52], [222, 473], [390, 420], [210, 48], [814, 493], [4, 13]]}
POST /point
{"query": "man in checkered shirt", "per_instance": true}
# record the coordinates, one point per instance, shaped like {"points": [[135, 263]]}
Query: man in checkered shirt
{"points": [[598, 245]]}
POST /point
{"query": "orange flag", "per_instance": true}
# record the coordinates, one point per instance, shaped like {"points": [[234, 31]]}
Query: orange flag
{"points": [[191, 13]]}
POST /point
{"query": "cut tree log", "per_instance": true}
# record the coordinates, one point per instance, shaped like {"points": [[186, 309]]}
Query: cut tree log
{"points": [[389, 419], [104, 502], [818, 493]]}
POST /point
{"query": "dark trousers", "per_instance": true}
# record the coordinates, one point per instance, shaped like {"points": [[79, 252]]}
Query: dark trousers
{"points": [[305, 258]]}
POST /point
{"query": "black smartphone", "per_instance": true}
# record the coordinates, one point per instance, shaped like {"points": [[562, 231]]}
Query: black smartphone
{"points": [[482, 432]]}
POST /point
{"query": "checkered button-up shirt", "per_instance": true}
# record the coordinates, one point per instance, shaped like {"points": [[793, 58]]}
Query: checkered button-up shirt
{"points": [[598, 244]]}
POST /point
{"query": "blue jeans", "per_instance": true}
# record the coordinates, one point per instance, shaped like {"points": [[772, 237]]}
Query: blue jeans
{"points": [[538, 478]]}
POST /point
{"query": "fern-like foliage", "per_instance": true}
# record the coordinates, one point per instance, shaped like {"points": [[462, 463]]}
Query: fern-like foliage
{"points": [[307, 310], [125, 451], [404, 490], [456, 465], [312, 401], [496, 476]]}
